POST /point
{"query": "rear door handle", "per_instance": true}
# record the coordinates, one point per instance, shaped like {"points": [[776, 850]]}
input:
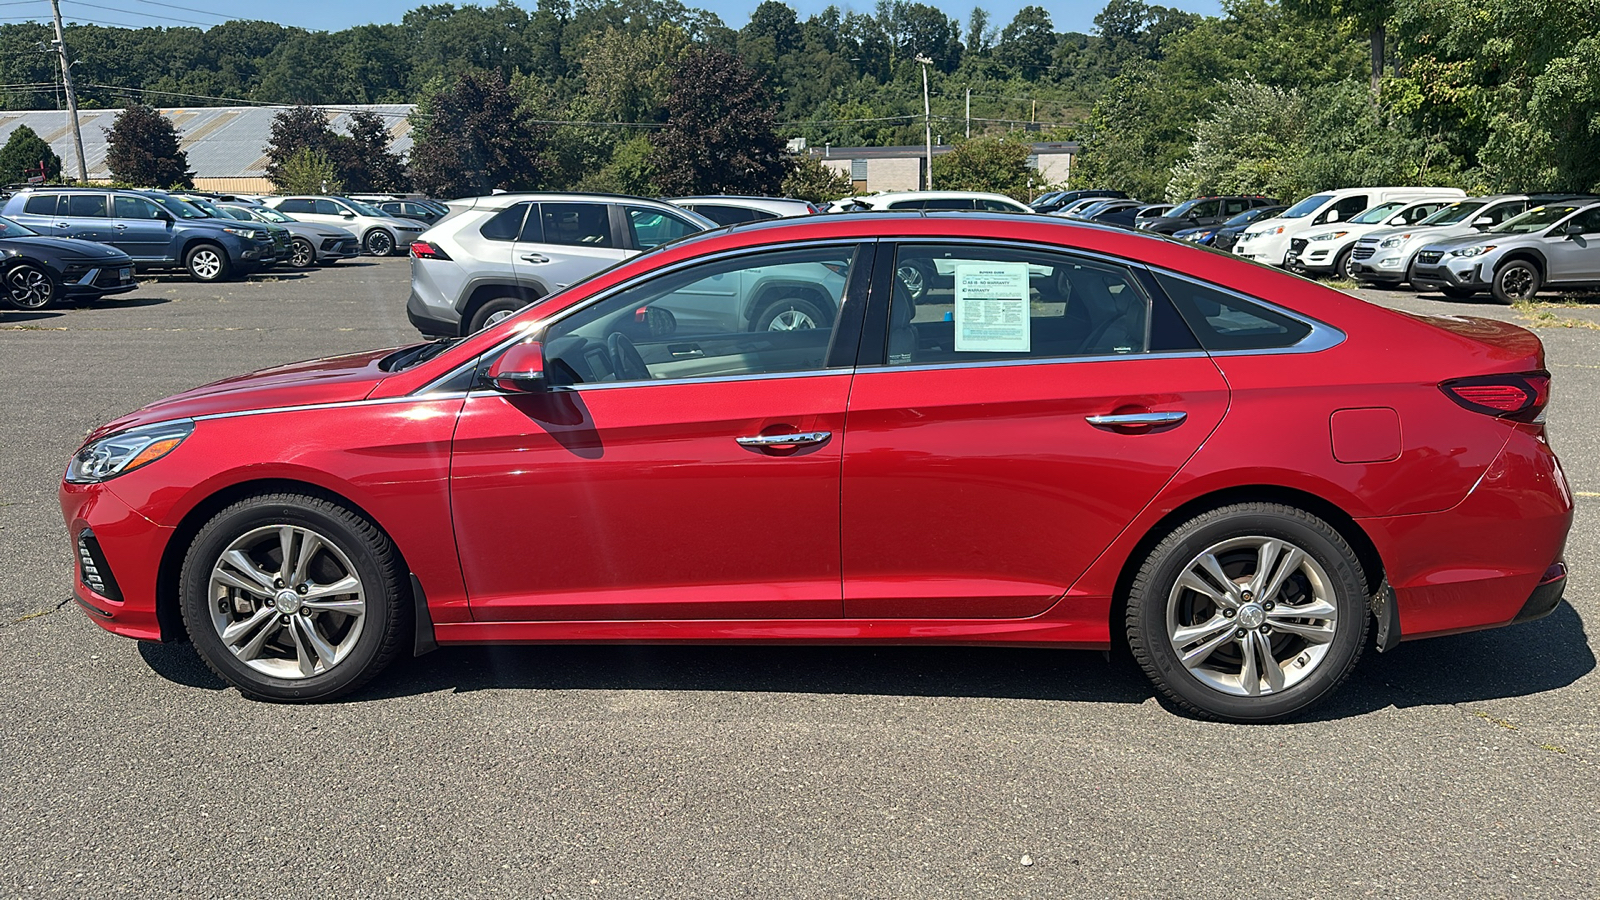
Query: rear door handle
{"points": [[780, 441], [535, 258], [1124, 420]]}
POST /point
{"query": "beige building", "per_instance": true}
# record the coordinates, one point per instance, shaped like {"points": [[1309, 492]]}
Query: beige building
{"points": [[876, 169]]}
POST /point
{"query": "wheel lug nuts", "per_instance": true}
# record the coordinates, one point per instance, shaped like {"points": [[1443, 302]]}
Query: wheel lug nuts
{"points": [[1228, 614], [1266, 629], [305, 611], [1268, 605], [283, 620], [303, 588], [277, 582], [1239, 633]]}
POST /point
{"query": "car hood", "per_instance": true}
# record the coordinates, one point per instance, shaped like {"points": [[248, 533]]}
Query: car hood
{"points": [[72, 248], [1466, 240], [337, 379]]}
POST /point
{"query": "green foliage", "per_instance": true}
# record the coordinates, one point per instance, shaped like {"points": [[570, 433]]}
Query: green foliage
{"points": [[995, 164], [142, 148], [475, 136], [23, 152], [809, 179], [308, 171], [629, 170], [719, 136]]}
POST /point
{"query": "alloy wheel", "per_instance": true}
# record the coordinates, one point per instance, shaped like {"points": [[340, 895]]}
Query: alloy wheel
{"points": [[379, 243], [28, 287], [303, 255], [205, 264], [792, 320]]}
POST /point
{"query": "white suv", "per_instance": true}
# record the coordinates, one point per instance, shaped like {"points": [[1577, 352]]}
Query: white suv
{"points": [[494, 255], [381, 234], [932, 200], [1328, 251], [1267, 241]]}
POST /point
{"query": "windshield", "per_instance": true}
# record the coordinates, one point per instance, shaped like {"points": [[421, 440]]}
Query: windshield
{"points": [[234, 212], [365, 209], [1182, 209], [1377, 214], [1536, 219], [207, 207], [1244, 218], [1305, 207], [268, 214], [1455, 212], [10, 229], [179, 208]]}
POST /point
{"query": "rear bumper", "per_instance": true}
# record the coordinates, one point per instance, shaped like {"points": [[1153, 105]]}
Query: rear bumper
{"points": [[430, 320]]}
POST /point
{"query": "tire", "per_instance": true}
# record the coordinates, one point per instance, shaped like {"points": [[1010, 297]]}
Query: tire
{"points": [[29, 287], [1312, 654], [791, 314], [1455, 293], [1341, 265], [916, 278], [281, 643], [302, 255], [1517, 280], [379, 243], [207, 263], [493, 311]]}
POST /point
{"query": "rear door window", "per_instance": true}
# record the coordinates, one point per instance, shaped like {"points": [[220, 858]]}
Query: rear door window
{"points": [[506, 225], [1225, 321], [293, 205], [87, 206], [588, 224]]}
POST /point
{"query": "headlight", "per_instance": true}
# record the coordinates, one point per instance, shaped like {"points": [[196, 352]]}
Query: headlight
{"points": [[1328, 236], [247, 233], [1469, 252], [1393, 242], [125, 451]]}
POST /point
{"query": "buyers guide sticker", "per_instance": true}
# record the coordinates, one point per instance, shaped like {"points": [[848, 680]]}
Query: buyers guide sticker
{"points": [[991, 308]]}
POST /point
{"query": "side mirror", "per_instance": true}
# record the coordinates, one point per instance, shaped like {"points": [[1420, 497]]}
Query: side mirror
{"points": [[1398, 220], [1331, 215], [345, 213], [163, 215], [519, 370], [1482, 222], [1573, 228]]}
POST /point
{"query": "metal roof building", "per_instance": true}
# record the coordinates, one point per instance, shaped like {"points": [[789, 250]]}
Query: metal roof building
{"points": [[227, 145]]}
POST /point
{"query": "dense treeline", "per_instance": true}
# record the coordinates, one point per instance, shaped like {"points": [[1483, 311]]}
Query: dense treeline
{"points": [[1275, 96]]}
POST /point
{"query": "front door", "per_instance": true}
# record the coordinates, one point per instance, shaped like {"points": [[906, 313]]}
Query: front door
{"points": [[1023, 417], [139, 228], [1574, 256], [673, 471]]}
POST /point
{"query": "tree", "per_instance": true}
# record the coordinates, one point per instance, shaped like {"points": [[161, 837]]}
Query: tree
{"points": [[142, 148], [300, 128], [368, 164], [995, 164], [719, 136], [308, 171], [809, 179], [1370, 16], [475, 136], [23, 153], [1028, 42]]}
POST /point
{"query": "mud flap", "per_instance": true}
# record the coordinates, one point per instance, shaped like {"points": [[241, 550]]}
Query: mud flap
{"points": [[1387, 613]]}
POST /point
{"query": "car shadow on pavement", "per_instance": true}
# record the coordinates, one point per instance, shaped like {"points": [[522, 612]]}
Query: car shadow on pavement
{"points": [[21, 317]]}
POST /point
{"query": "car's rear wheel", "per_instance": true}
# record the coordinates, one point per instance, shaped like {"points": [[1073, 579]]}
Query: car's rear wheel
{"points": [[207, 262], [291, 597], [28, 286], [379, 242], [494, 312], [791, 314], [916, 278], [302, 255], [1249, 613], [1516, 280]]}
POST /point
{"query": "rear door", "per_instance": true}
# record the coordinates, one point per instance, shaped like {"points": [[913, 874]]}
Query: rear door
{"points": [[87, 215], [564, 243], [1014, 422]]}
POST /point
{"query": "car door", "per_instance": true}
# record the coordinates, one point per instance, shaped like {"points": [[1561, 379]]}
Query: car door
{"points": [[564, 243], [140, 228], [1573, 255], [668, 473], [1013, 425], [39, 213], [87, 216]]}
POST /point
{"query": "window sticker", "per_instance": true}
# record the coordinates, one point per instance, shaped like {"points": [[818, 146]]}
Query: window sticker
{"points": [[991, 311]]}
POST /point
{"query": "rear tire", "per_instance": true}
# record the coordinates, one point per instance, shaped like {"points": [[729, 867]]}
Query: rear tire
{"points": [[379, 243], [1516, 280], [207, 263], [1341, 266], [791, 314], [1279, 630], [494, 311]]}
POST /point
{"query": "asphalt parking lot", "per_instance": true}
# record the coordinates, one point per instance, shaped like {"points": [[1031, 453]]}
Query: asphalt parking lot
{"points": [[1465, 766]]}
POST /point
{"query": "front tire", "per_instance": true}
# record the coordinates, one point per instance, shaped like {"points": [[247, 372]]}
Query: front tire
{"points": [[29, 287], [293, 598], [207, 263], [1249, 613], [1516, 280], [303, 255], [1341, 265], [791, 314], [379, 242]]}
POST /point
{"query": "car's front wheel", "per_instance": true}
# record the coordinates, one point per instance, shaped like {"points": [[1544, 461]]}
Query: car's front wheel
{"points": [[303, 255], [293, 598], [1516, 280], [1249, 613], [791, 314], [1341, 265], [29, 287], [379, 242], [207, 262]]}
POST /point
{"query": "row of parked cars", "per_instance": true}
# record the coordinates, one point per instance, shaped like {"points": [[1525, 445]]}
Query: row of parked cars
{"points": [[77, 243]]}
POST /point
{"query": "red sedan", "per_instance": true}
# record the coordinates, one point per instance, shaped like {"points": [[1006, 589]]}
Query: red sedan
{"points": [[1064, 435]]}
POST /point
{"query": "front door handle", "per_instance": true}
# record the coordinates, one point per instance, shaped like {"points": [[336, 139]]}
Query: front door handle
{"points": [[1147, 419], [783, 441], [120, 227], [536, 258]]}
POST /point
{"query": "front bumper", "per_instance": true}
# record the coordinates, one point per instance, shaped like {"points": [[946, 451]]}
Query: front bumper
{"points": [[334, 249], [98, 281], [1270, 250], [128, 549], [1449, 272]]}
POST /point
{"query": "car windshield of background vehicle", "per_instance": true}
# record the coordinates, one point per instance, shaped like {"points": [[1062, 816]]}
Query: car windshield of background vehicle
{"points": [[1182, 209], [207, 207], [234, 213], [1455, 212], [10, 229], [1244, 218], [180, 209], [366, 210], [268, 214], [1377, 214], [1536, 219], [1305, 207]]}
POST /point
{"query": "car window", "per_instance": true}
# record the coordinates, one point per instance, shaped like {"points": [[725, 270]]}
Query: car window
{"points": [[1206, 208], [506, 225], [1504, 211], [134, 208], [1345, 208], [1225, 321], [1588, 221], [1376, 214], [41, 204], [947, 203], [234, 212], [723, 215], [588, 224], [296, 206], [760, 314], [1306, 207], [996, 205], [87, 206], [1234, 206], [327, 208], [955, 303], [652, 227]]}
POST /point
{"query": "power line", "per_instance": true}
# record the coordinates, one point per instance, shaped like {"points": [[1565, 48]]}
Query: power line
{"points": [[144, 14], [203, 12]]}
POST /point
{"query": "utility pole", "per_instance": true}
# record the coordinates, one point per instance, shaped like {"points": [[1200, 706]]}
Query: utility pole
{"points": [[969, 112], [927, 117], [72, 96]]}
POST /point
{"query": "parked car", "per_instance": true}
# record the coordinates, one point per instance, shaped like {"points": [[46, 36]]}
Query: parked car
{"points": [[731, 210], [1121, 213], [282, 242], [1267, 241], [946, 200], [157, 230], [589, 471], [1555, 245], [1069, 209], [1330, 251], [36, 271], [381, 234], [1385, 257], [499, 253], [310, 244], [416, 210], [1203, 211], [1151, 211], [1054, 201], [1223, 236]]}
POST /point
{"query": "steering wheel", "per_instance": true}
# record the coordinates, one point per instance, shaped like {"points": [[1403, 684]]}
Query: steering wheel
{"points": [[625, 358]]}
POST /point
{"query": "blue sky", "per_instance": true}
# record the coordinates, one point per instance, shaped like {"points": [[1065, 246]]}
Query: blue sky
{"points": [[1074, 15]]}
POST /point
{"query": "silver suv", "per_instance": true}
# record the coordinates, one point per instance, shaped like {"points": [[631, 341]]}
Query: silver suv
{"points": [[381, 234], [1555, 245], [494, 255], [1385, 257]]}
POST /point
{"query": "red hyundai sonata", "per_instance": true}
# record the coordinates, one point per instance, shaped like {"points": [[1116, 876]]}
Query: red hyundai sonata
{"points": [[958, 429]]}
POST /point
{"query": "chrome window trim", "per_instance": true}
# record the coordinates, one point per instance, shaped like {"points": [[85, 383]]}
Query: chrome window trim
{"points": [[704, 379], [1034, 361], [1321, 337]]}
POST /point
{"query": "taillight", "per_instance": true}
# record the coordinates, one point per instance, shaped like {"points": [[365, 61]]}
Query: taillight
{"points": [[1520, 398], [427, 250]]}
